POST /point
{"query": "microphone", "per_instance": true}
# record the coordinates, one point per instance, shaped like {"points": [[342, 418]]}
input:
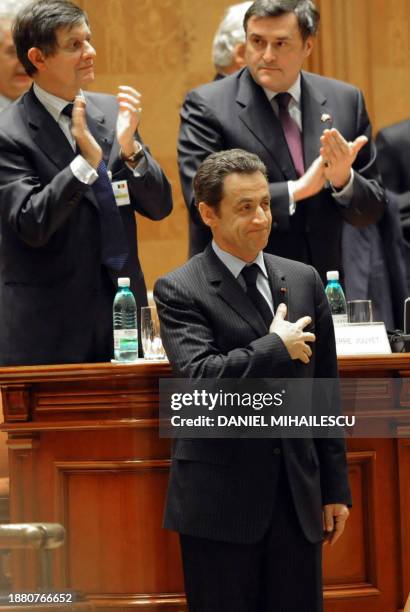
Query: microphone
{"points": [[407, 315], [400, 341]]}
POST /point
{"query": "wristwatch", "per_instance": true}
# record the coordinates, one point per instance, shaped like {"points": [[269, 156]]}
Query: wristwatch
{"points": [[134, 157]]}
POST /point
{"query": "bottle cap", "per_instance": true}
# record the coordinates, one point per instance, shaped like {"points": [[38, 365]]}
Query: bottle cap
{"points": [[332, 275], [124, 282]]}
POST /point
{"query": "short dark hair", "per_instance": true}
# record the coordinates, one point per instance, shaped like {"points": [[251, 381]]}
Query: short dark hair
{"points": [[209, 180], [36, 25], [305, 10]]}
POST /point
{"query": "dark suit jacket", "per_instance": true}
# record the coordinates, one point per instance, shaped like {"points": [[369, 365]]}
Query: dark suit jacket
{"points": [[225, 489], [393, 148], [373, 260], [235, 112], [50, 251], [374, 256]]}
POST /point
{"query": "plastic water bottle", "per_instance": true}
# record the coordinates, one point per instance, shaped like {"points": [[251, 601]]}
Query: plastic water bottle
{"points": [[336, 298], [125, 323]]}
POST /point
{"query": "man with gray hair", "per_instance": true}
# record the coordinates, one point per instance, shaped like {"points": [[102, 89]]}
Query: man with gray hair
{"points": [[228, 47], [13, 78]]}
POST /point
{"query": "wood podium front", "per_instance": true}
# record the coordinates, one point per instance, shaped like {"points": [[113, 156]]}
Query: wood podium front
{"points": [[85, 452]]}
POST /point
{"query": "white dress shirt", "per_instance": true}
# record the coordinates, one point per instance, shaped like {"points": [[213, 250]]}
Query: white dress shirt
{"points": [[4, 102]]}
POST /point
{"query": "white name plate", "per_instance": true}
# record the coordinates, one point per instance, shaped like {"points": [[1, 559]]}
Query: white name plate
{"points": [[362, 339]]}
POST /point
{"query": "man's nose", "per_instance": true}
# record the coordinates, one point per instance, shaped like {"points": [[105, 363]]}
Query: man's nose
{"points": [[269, 54], [261, 215], [89, 49]]}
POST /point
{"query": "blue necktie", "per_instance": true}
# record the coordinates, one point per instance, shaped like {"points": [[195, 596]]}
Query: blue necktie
{"points": [[114, 247], [113, 241]]}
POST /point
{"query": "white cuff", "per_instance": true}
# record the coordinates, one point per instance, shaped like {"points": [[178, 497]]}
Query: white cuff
{"points": [[83, 171], [141, 168]]}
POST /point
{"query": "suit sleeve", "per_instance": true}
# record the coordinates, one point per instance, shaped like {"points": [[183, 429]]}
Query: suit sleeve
{"points": [[331, 451], [34, 211], [368, 200], [390, 169], [192, 348], [200, 135], [387, 161], [150, 191]]}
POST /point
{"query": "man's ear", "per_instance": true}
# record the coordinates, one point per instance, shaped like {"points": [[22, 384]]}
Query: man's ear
{"points": [[207, 213], [36, 57], [308, 46], [239, 55]]}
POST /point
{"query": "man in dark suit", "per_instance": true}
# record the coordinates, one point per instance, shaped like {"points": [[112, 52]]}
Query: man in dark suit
{"points": [[250, 513], [393, 148], [64, 237], [315, 142], [376, 259]]}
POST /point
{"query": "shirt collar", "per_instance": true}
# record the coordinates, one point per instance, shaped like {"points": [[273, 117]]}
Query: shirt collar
{"points": [[294, 90], [53, 104], [236, 265], [4, 102]]}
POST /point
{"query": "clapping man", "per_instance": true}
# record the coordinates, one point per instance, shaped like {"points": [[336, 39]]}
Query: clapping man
{"points": [[73, 173]]}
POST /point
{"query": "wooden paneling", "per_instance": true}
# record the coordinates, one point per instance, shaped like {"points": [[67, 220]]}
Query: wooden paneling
{"points": [[351, 565], [404, 488], [99, 499], [370, 555], [101, 470], [367, 44]]}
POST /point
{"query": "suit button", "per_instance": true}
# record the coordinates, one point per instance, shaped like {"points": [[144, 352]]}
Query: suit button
{"points": [[274, 224], [277, 451]]}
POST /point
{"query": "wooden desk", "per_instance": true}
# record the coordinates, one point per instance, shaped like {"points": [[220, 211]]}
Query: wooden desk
{"points": [[84, 452]]}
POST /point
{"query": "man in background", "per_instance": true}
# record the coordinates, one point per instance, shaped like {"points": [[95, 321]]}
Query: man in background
{"points": [[228, 47], [73, 172], [376, 258], [13, 78], [393, 147], [312, 133]]}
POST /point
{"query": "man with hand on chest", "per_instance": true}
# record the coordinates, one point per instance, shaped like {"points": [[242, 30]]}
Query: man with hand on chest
{"points": [[73, 173], [250, 512]]}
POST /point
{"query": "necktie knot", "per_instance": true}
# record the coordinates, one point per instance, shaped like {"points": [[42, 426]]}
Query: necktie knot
{"points": [[283, 100], [250, 274], [68, 110]]}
